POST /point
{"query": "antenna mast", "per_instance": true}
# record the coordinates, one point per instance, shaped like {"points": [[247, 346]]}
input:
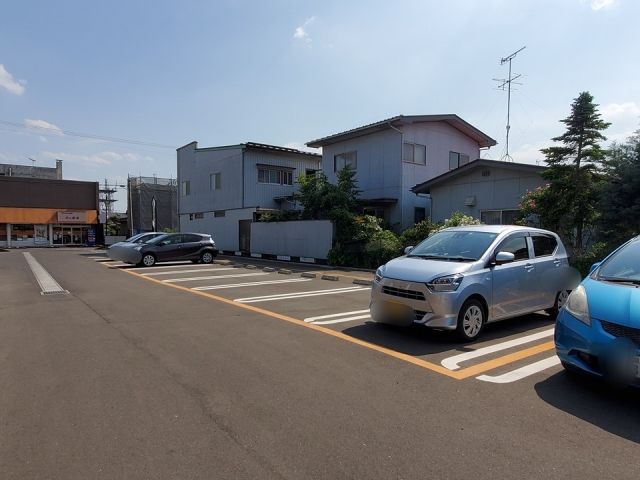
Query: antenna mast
{"points": [[506, 83]]}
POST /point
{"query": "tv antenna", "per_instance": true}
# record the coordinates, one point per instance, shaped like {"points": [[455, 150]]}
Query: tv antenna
{"points": [[506, 84]]}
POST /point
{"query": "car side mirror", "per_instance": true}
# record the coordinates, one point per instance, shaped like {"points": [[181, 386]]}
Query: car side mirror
{"points": [[407, 250], [594, 266], [504, 257]]}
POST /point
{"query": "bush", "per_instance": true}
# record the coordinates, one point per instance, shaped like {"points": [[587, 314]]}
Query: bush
{"points": [[384, 246], [412, 236], [459, 219], [594, 254], [279, 216]]}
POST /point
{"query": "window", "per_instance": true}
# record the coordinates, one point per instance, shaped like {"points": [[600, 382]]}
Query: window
{"points": [[3, 232], [342, 160], [544, 245], [21, 232], [414, 153], [517, 246], [185, 189], [457, 160], [215, 180], [499, 217], [219, 213], [190, 238], [275, 176], [419, 214], [374, 212], [310, 172]]}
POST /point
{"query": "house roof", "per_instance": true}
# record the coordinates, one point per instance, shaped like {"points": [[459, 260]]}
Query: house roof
{"points": [[254, 146], [399, 120], [425, 187]]}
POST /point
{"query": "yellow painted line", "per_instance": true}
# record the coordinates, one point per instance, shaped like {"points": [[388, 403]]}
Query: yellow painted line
{"points": [[458, 374], [505, 360]]}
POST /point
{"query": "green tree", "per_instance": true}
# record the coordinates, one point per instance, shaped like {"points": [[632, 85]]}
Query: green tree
{"points": [[620, 195], [568, 204]]}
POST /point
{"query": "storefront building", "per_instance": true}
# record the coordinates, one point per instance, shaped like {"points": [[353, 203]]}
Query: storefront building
{"points": [[41, 212]]}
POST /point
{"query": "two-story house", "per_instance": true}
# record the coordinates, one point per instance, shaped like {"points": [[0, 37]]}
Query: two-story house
{"points": [[222, 189], [392, 156]]}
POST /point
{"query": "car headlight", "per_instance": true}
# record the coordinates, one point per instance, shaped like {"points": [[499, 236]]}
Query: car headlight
{"points": [[449, 283], [379, 275], [578, 306]]}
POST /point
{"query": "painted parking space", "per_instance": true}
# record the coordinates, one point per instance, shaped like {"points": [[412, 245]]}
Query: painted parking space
{"points": [[508, 352]]}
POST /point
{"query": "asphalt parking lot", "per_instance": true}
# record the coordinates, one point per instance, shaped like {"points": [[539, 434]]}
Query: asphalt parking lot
{"points": [[233, 371]]}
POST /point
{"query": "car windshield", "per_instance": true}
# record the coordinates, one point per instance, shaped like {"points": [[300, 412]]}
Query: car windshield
{"points": [[454, 245], [624, 265], [135, 238]]}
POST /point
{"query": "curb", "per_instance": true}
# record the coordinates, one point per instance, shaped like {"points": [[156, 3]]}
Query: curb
{"points": [[357, 281], [285, 271], [308, 275], [333, 278]]}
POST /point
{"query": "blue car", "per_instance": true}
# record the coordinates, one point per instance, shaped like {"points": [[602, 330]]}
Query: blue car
{"points": [[598, 329]]}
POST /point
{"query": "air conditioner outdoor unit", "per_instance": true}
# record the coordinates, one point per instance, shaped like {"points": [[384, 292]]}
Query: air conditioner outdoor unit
{"points": [[470, 201]]}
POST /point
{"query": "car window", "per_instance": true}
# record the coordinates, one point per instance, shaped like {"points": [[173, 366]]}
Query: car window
{"points": [[623, 264], [454, 245], [173, 239], [544, 245], [516, 245], [191, 238]]}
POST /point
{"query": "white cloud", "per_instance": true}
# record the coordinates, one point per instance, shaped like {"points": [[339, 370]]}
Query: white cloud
{"points": [[627, 110], [9, 83], [97, 159], [529, 153], [301, 33], [602, 4], [43, 126]]}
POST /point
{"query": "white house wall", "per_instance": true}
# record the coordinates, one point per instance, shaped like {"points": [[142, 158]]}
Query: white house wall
{"points": [[224, 230], [379, 171], [196, 166], [501, 190], [262, 194]]}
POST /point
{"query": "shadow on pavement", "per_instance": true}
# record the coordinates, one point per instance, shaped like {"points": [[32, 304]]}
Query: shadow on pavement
{"points": [[417, 340], [594, 401]]}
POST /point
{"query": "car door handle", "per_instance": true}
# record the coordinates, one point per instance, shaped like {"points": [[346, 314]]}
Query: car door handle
{"points": [[556, 262], [529, 266]]}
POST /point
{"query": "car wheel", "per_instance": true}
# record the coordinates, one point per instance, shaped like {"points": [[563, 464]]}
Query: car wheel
{"points": [[206, 257], [148, 260], [471, 320], [561, 299]]}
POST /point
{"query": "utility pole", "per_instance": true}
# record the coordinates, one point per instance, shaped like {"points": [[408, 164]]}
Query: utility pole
{"points": [[507, 83]]}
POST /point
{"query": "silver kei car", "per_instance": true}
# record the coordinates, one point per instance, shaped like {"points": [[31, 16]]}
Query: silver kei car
{"points": [[464, 277]]}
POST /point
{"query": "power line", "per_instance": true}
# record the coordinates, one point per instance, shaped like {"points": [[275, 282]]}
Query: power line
{"points": [[57, 131]]}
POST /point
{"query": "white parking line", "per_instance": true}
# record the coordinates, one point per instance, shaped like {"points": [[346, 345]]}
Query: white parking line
{"points": [[453, 363], [214, 277], [172, 272], [342, 320], [287, 296], [172, 265], [250, 284], [521, 372], [334, 315]]}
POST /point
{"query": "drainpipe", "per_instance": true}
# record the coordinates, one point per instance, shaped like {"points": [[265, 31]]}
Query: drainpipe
{"points": [[401, 192]]}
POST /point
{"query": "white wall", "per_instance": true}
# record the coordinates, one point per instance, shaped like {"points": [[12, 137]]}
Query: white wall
{"points": [[224, 230], [304, 238]]}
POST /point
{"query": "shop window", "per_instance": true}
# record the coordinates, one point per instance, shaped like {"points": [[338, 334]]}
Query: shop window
{"points": [[21, 233], [3, 232]]}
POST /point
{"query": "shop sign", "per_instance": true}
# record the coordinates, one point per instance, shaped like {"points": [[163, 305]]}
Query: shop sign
{"points": [[72, 217]]}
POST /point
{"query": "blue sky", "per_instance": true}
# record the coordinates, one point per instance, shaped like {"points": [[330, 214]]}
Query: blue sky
{"points": [[285, 72]]}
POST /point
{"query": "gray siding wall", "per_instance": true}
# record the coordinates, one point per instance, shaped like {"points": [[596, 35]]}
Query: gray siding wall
{"points": [[196, 166], [262, 194], [379, 170], [306, 238], [381, 173], [501, 190]]}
